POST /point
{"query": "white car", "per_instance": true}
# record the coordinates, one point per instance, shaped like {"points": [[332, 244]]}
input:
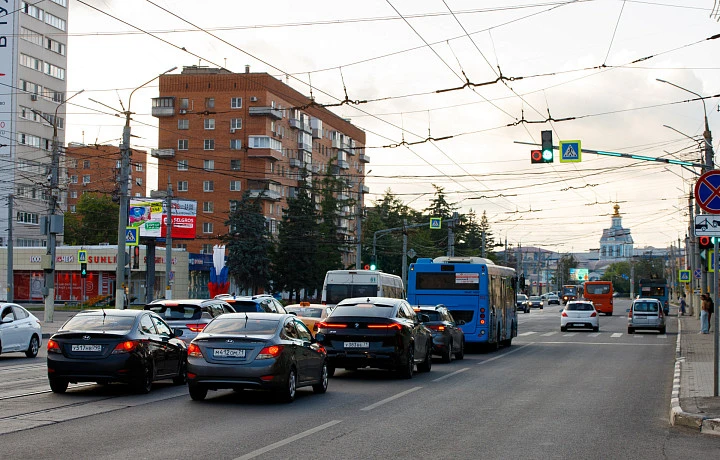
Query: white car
{"points": [[20, 330], [579, 313]]}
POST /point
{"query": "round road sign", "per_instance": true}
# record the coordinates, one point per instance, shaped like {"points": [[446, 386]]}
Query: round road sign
{"points": [[707, 192]]}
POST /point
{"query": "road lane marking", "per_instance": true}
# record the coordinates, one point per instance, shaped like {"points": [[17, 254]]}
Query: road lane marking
{"points": [[617, 334], [602, 343], [594, 334], [505, 354], [451, 374], [391, 398], [548, 334], [638, 336], [526, 333], [285, 441], [570, 334], [663, 336]]}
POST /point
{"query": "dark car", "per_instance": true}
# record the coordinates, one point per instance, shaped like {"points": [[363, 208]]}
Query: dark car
{"points": [[189, 315], [263, 351], [378, 332], [130, 346], [448, 338], [521, 301], [535, 302], [253, 303]]}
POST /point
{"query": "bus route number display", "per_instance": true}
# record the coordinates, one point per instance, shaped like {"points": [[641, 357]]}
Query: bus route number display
{"points": [[467, 278]]}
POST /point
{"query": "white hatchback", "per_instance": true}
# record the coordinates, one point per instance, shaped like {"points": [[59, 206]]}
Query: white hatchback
{"points": [[579, 314], [20, 330]]}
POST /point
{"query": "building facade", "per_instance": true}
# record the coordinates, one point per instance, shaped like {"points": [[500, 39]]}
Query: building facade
{"points": [[34, 65], [223, 133], [616, 243]]}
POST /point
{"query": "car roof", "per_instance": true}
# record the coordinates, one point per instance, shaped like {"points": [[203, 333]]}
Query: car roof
{"points": [[646, 299], [255, 315], [311, 305], [386, 301], [580, 301], [112, 312], [173, 302]]}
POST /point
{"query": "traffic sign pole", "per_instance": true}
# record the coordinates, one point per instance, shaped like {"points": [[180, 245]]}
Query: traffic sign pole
{"points": [[716, 375]]}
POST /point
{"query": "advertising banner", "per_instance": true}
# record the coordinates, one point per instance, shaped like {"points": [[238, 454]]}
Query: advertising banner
{"points": [[579, 274], [150, 216], [8, 36]]}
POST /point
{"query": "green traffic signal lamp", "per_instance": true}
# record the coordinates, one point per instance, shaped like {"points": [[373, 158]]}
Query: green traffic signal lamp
{"points": [[83, 270], [547, 146]]}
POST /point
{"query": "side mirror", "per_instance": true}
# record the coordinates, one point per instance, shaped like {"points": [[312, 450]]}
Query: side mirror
{"points": [[177, 332], [627, 311]]}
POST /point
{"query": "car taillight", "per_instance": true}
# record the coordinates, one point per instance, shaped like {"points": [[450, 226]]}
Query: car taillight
{"points": [[125, 347], [437, 327], [630, 314], [323, 324], [270, 352], [385, 326], [196, 327], [564, 314], [194, 351], [53, 347], [593, 314]]}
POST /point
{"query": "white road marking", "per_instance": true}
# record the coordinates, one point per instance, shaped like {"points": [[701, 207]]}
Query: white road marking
{"points": [[391, 398], [616, 334], [526, 333], [285, 441], [663, 336], [638, 336], [594, 334], [505, 354], [570, 334], [604, 343], [548, 334], [451, 374]]}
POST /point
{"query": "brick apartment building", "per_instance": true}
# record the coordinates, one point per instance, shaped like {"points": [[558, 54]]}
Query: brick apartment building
{"points": [[95, 168], [222, 133]]}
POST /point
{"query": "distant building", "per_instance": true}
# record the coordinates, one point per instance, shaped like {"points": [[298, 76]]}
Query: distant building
{"points": [[616, 243]]}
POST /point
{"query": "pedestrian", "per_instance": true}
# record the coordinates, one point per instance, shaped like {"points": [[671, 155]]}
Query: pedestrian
{"points": [[682, 306], [705, 311], [711, 310]]}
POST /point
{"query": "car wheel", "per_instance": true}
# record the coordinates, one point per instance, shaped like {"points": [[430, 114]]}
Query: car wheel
{"points": [[181, 378], [144, 382], [197, 392], [287, 394], [58, 385], [608, 313], [321, 386], [631, 330], [448, 354], [596, 329], [426, 365], [406, 370], [461, 354], [331, 371], [33, 348], [563, 328]]}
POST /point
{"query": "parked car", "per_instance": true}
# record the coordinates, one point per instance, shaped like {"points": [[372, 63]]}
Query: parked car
{"points": [[189, 315], [521, 301], [131, 346], [646, 314], [253, 303], [379, 332], [20, 330], [263, 351], [309, 313], [448, 338], [579, 313], [553, 299], [535, 302]]}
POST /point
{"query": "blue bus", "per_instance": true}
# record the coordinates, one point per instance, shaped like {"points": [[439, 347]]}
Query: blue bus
{"points": [[656, 289], [475, 290]]}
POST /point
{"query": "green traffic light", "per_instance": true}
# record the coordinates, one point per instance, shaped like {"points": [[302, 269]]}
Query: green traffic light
{"points": [[547, 156], [372, 267]]}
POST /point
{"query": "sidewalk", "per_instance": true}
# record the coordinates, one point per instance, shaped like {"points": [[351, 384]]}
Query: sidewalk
{"points": [[692, 402]]}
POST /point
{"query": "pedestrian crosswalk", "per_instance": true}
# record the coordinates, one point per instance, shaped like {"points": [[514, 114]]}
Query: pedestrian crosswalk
{"points": [[613, 335]]}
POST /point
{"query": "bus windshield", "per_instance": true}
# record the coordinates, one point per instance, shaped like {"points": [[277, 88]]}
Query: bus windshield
{"points": [[338, 292]]}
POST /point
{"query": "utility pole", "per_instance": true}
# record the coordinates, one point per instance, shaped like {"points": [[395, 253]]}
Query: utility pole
{"points": [[168, 244], [10, 281], [358, 232]]}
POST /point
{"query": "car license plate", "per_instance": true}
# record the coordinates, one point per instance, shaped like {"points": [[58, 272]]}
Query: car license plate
{"points": [[357, 344], [579, 324], [86, 348], [228, 353]]}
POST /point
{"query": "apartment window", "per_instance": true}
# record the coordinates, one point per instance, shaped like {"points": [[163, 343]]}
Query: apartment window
{"points": [[264, 142], [118, 164], [209, 123], [236, 123], [54, 21], [234, 185], [182, 165], [208, 206], [71, 163], [73, 179], [138, 181], [138, 167], [28, 139], [54, 71], [86, 164], [86, 179], [60, 2], [209, 102], [207, 227], [233, 205], [31, 62], [31, 36], [235, 165], [32, 10], [207, 249], [208, 186], [236, 103], [235, 144], [73, 194], [209, 165], [27, 217], [183, 144], [55, 46], [72, 208], [209, 144], [184, 103], [183, 123], [182, 186]]}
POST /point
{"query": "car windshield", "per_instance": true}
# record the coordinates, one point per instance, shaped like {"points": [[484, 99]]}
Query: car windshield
{"points": [[240, 325], [433, 315], [522, 297], [646, 306], [534, 298], [363, 309], [305, 312], [99, 322], [579, 307]]}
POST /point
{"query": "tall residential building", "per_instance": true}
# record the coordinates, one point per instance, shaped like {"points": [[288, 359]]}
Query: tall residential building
{"points": [[95, 169], [33, 36], [223, 133]]}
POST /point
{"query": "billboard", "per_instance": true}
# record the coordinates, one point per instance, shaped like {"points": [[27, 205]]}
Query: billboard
{"points": [[579, 274], [150, 216], [8, 38]]}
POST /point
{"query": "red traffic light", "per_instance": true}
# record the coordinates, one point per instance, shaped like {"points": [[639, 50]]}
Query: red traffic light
{"points": [[705, 242], [366, 267], [536, 156]]}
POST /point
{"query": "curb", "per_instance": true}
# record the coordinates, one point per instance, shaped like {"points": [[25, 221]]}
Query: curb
{"points": [[678, 417]]}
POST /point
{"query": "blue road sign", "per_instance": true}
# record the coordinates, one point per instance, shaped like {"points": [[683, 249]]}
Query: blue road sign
{"points": [[707, 191], [570, 151], [435, 222], [697, 274], [131, 236], [684, 276], [82, 256]]}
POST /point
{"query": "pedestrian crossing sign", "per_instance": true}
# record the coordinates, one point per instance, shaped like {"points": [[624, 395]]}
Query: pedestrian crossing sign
{"points": [[82, 256], [570, 151], [435, 223], [684, 276], [131, 236]]}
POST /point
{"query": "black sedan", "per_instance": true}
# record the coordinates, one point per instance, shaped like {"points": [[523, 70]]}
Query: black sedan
{"points": [[376, 332], [263, 351], [103, 346], [448, 338]]}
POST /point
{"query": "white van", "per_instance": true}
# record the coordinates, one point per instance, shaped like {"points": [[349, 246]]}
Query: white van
{"points": [[344, 284]]}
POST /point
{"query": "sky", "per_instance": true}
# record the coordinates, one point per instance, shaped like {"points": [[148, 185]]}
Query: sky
{"points": [[482, 76]]}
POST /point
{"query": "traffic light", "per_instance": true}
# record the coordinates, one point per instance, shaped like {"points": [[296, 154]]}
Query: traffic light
{"points": [[522, 282], [136, 257], [373, 263], [547, 146], [536, 156], [83, 270], [705, 242]]}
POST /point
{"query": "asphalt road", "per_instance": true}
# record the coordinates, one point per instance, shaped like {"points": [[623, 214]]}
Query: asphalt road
{"points": [[550, 395]]}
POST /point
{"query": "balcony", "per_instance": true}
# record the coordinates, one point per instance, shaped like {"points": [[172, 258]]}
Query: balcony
{"points": [[266, 111], [365, 189], [265, 153], [264, 189], [364, 158], [265, 194], [162, 153], [342, 164], [295, 123], [163, 107], [295, 163], [317, 129]]}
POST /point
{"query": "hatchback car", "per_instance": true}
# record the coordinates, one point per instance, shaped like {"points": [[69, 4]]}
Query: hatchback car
{"points": [[379, 332], [448, 338], [579, 314], [521, 301], [261, 351], [130, 346], [189, 315], [260, 303], [20, 330], [646, 314], [553, 299], [309, 313], [535, 302]]}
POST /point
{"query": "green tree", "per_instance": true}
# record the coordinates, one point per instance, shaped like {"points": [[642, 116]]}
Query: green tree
{"points": [[249, 245], [95, 221], [619, 274], [332, 209], [440, 207], [566, 262]]}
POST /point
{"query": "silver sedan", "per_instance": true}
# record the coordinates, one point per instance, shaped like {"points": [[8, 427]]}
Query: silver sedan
{"points": [[20, 330]]}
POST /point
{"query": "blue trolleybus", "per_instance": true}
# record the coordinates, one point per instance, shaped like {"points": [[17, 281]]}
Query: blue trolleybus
{"points": [[474, 290]]}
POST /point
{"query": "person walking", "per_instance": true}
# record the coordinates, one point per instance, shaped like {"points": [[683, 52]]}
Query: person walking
{"points": [[711, 310], [682, 306], [705, 311]]}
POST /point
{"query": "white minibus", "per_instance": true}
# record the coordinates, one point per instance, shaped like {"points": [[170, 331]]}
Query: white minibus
{"points": [[344, 284]]}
